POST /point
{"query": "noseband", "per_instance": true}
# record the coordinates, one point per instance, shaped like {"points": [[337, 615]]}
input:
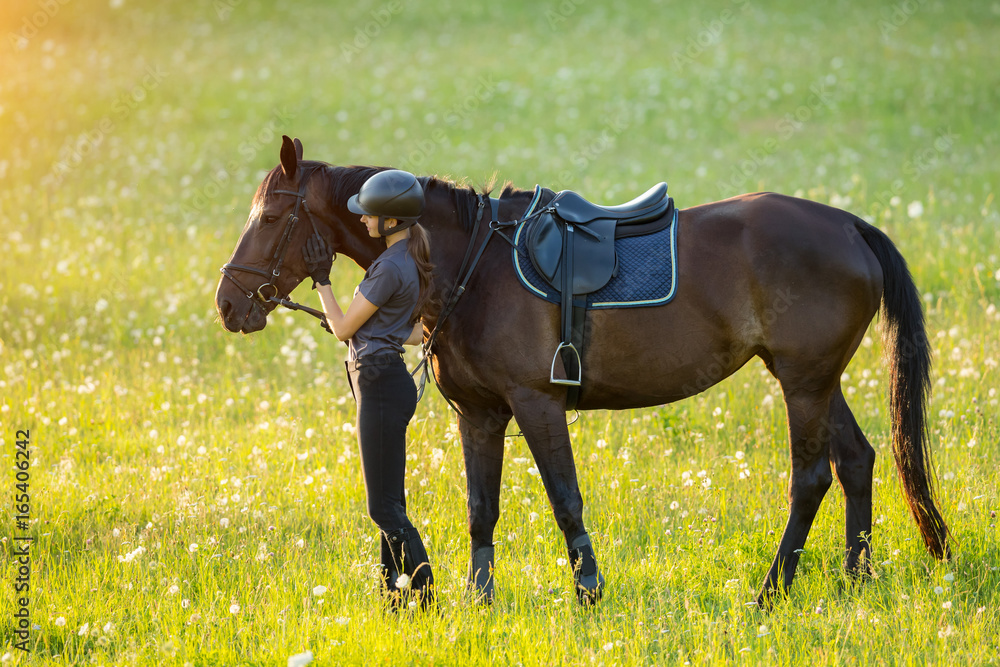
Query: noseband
{"points": [[260, 297]]}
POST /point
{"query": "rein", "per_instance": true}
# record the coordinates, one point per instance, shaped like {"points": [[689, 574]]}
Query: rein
{"points": [[465, 272], [259, 298]]}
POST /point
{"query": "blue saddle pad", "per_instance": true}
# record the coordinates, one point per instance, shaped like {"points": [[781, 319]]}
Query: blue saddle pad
{"points": [[646, 276]]}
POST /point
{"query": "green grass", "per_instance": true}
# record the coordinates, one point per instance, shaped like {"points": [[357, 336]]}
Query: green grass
{"points": [[131, 141]]}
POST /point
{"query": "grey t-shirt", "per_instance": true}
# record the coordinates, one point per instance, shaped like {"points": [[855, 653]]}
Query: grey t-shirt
{"points": [[393, 284]]}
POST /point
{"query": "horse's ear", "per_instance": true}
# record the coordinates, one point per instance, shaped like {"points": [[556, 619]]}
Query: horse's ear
{"points": [[298, 148], [289, 158]]}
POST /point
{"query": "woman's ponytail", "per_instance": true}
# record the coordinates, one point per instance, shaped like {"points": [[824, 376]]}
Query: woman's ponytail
{"points": [[420, 250]]}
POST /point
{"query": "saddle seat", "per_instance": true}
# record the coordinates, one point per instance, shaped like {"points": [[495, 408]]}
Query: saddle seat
{"points": [[573, 208]]}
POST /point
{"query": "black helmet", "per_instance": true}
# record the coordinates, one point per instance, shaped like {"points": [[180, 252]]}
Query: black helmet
{"points": [[390, 194]]}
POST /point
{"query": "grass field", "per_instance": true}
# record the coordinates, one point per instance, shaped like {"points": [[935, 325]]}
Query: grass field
{"points": [[192, 493]]}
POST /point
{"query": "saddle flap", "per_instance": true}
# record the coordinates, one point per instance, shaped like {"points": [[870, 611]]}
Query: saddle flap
{"points": [[594, 258]]}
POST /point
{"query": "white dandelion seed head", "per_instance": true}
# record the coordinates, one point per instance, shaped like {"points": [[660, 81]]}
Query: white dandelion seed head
{"points": [[300, 659], [60, 621], [403, 582], [938, 590], [83, 629], [192, 547], [561, 562], [234, 608], [320, 590], [949, 577]]}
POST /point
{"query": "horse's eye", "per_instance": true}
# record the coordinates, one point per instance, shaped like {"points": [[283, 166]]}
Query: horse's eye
{"points": [[269, 219]]}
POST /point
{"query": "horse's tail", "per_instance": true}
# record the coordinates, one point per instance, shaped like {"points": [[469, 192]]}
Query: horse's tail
{"points": [[907, 352]]}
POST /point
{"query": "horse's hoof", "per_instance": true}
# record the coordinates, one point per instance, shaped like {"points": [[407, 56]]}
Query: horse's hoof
{"points": [[589, 580], [481, 575]]}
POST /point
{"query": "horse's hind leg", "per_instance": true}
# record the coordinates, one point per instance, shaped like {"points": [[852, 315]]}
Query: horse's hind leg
{"points": [[542, 419], [809, 433], [853, 459]]}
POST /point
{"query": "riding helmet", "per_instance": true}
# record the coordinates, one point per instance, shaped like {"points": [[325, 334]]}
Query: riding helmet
{"points": [[390, 194]]}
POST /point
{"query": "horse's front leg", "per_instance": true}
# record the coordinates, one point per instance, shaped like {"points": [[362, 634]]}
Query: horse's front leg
{"points": [[482, 432], [542, 419]]}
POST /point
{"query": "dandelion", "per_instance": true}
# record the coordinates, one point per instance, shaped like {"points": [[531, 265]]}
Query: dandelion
{"points": [[60, 622], [116, 533], [83, 629], [707, 482], [949, 577], [533, 517], [561, 562], [319, 590], [108, 628], [946, 605], [763, 631], [300, 659], [173, 590], [533, 471], [739, 455], [915, 209], [767, 402], [938, 590], [609, 646], [300, 543], [132, 555], [234, 608], [192, 547], [403, 582], [602, 443], [674, 505], [224, 522]]}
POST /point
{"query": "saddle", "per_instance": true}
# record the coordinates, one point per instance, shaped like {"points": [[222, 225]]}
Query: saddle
{"points": [[571, 244]]}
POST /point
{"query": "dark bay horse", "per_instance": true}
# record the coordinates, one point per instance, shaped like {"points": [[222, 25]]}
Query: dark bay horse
{"points": [[791, 281]]}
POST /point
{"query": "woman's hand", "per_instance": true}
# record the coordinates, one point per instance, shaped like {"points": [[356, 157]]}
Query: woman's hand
{"points": [[318, 256]]}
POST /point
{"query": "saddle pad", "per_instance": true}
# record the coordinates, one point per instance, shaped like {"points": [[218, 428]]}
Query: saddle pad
{"points": [[646, 276]]}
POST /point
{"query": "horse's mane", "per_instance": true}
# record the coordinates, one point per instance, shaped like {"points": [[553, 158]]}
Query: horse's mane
{"points": [[343, 182]]}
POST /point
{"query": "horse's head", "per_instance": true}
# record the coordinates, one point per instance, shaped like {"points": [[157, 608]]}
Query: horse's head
{"points": [[295, 199]]}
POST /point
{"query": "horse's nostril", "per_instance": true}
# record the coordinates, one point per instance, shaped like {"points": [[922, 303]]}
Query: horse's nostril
{"points": [[224, 307]]}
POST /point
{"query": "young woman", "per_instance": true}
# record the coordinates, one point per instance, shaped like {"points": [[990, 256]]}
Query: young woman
{"points": [[383, 317]]}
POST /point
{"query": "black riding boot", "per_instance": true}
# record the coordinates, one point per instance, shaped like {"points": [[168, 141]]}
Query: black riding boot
{"points": [[389, 571], [414, 580]]}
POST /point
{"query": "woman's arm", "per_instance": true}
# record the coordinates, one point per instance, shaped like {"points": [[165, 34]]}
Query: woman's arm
{"points": [[416, 336], [345, 325]]}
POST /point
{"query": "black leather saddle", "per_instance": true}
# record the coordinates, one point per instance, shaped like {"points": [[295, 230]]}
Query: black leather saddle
{"points": [[571, 244]]}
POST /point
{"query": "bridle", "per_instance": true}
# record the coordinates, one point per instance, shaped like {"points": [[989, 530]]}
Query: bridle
{"points": [[260, 297]]}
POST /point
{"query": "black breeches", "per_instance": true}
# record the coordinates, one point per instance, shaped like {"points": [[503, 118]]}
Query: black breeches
{"points": [[386, 398]]}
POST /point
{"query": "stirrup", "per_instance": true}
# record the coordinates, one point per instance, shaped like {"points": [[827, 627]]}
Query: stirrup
{"points": [[579, 367]]}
